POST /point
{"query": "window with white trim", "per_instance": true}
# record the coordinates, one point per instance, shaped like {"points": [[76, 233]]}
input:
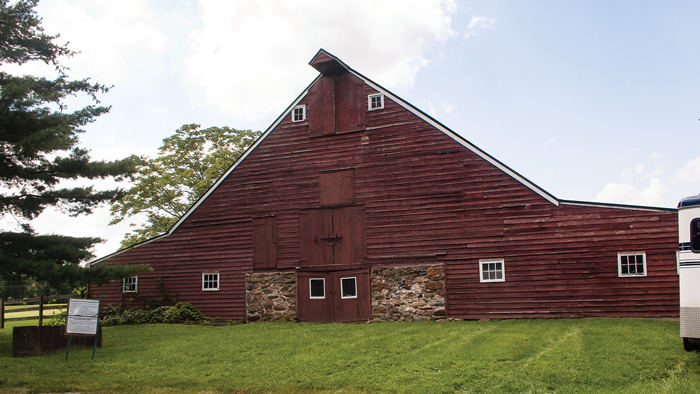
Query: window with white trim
{"points": [[492, 270], [210, 281], [299, 113], [631, 264], [130, 284], [348, 287], [317, 288], [375, 101]]}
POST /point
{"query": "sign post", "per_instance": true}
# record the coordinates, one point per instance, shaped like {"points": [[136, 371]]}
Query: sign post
{"points": [[82, 319]]}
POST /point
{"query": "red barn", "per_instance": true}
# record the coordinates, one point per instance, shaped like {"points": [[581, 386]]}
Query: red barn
{"points": [[354, 206]]}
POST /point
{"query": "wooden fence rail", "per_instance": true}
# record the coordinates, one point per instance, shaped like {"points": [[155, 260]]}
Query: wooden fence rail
{"points": [[40, 307]]}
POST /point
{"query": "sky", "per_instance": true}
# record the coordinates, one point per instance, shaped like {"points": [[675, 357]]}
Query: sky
{"points": [[591, 100]]}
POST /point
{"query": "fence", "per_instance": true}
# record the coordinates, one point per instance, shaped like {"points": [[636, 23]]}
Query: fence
{"points": [[41, 307]]}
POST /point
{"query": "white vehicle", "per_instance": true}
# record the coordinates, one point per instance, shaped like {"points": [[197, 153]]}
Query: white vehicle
{"points": [[689, 270]]}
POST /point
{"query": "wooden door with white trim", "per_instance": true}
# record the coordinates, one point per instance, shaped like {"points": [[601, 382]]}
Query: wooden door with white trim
{"points": [[333, 297]]}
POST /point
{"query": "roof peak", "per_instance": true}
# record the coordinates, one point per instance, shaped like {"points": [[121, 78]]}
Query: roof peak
{"points": [[327, 64]]}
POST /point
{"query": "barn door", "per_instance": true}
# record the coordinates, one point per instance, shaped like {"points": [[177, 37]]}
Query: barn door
{"points": [[333, 297], [314, 302], [349, 230], [316, 232], [351, 298], [333, 237]]}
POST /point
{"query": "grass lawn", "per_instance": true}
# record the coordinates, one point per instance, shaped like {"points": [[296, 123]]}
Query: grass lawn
{"points": [[499, 356]]}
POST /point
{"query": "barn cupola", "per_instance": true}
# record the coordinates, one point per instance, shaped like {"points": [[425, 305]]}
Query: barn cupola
{"points": [[337, 102]]}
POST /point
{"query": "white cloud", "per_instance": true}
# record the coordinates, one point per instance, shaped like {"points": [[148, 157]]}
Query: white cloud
{"points": [[639, 171], [652, 194], [689, 173], [477, 23], [96, 224], [120, 151], [657, 173], [428, 107], [249, 59], [447, 107], [631, 172], [114, 38]]}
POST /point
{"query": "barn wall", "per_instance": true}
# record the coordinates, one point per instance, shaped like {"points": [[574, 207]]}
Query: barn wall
{"points": [[427, 200], [564, 263], [179, 261]]}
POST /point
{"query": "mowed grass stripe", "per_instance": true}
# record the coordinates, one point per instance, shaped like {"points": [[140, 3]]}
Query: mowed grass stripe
{"points": [[436, 362], [517, 375]]}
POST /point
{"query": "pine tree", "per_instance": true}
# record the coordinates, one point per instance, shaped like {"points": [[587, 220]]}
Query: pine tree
{"points": [[39, 148]]}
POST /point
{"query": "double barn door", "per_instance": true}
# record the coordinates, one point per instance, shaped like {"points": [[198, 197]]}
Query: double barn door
{"points": [[333, 297], [333, 236]]}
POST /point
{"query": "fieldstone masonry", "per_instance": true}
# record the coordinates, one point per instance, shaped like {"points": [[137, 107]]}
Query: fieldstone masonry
{"points": [[271, 296], [406, 293], [409, 293]]}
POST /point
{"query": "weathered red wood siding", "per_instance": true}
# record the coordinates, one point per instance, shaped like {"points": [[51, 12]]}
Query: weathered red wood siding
{"points": [[180, 259], [563, 262], [426, 199]]}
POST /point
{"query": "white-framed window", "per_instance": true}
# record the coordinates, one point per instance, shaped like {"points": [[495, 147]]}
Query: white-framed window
{"points": [[317, 288], [375, 101], [130, 284], [492, 270], [631, 264], [348, 287], [210, 281], [299, 113]]}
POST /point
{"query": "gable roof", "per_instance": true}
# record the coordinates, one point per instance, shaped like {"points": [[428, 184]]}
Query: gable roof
{"points": [[328, 64], [324, 61]]}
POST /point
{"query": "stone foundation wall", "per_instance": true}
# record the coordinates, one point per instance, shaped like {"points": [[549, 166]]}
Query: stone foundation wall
{"points": [[271, 296], [410, 293]]}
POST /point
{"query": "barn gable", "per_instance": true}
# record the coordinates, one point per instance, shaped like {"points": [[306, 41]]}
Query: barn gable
{"points": [[330, 67], [353, 197]]}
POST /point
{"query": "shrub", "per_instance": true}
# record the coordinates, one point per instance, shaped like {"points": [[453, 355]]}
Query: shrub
{"points": [[181, 312], [58, 319], [111, 316]]}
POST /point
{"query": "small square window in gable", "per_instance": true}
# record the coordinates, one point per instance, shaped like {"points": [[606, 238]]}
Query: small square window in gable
{"points": [[375, 102], [337, 187], [299, 114]]}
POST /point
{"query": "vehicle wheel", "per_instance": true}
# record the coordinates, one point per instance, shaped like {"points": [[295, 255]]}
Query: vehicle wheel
{"points": [[689, 346]]}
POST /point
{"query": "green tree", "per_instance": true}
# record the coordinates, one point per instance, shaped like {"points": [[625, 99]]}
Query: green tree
{"points": [[188, 163], [39, 149]]}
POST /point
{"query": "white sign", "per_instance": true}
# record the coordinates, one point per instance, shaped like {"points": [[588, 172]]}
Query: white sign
{"points": [[82, 316]]}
